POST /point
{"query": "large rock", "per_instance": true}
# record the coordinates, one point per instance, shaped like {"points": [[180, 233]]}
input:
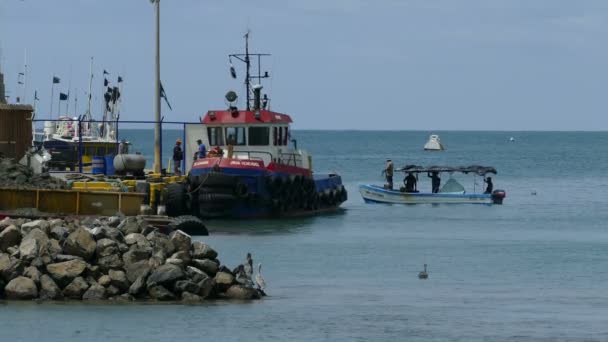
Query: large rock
{"points": [[181, 240], [80, 243], [137, 269], [110, 262], [129, 225], [114, 221], [65, 272], [95, 292], [186, 286], [10, 236], [113, 291], [107, 233], [10, 267], [32, 273], [202, 251], [29, 249], [76, 288], [21, 288], [188, 297], [176, 262], [43, 225], [161, 242], [224, 280], [48, 288], [166, 275], [59, 233], [119, 279], [138, 287], [136, 238], [159, 292], [106, 247], [104, 280], [182, 255], [195, 274], [242, 292], [207, 287], [206, 265], [54, 248]]}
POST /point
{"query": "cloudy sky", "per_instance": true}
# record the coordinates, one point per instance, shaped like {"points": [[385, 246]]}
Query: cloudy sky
{"points": [[336, 64]]}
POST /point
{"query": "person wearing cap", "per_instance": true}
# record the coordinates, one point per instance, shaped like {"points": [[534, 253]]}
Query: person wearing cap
{"points": [[178, 156], [388, 172], [123, 147]]}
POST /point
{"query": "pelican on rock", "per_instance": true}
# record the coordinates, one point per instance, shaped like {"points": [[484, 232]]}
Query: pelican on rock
{"points": [[259, 281]]}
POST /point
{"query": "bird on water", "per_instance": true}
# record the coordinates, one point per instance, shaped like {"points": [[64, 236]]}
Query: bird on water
{"points": [[423, 274], [259, 281]]}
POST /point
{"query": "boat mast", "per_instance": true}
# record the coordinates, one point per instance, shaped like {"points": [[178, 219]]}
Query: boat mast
{"points": [[247, 78], [88, 115], [157, 128]]}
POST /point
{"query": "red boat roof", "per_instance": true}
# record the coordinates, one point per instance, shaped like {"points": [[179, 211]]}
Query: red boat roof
{"points": [[244, 117]]}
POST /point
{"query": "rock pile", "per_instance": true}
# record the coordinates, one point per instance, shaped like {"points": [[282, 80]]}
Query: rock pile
{"points": [[15, 175], [110, 258]]}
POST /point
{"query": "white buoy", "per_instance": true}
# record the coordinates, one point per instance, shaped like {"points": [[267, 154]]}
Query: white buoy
{"points": [[434, 144], [511, 139]]}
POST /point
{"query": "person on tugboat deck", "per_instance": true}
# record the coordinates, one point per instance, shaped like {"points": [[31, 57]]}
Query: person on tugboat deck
{"points": [[178, 156], [202, 149], [435, 181], [388, 171], [410, 182], [490, 186]]}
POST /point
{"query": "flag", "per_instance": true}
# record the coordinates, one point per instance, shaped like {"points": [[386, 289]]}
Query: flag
{"points": [[63, 97], [105, 72], [21, 74], [115, 94], [36, 96], [164, 96], [119, 79], [56, 80], [105, 82]]}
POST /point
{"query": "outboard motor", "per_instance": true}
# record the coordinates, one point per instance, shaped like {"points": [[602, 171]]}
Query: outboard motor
{"points": [[498, 196]]}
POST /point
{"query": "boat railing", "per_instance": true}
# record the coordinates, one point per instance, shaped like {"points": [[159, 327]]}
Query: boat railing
{"points": [[293, 159], [252, 155]]}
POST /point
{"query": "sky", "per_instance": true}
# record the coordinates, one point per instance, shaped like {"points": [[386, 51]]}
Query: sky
{"points": [[336, 64]]}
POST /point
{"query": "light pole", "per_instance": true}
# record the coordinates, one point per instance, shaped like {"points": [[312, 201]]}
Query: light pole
{"points": [[157, 129]]}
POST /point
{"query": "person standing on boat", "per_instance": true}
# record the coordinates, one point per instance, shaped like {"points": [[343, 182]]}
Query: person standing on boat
{"points": [[435, 181], [410, 182], [388, 171], [178, 156], [490, 186], [202, 149]]}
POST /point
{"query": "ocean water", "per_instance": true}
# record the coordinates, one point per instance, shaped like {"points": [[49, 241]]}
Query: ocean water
{"points": [[533, 269]]}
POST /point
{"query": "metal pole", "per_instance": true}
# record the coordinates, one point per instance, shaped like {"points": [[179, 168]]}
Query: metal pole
{"points": [[52, 88], [157, 128]]}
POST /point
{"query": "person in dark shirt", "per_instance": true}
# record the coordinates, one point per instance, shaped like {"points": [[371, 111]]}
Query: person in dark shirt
{"points": [[490, 186], [435, 181], [410, 182], [178, 156]]}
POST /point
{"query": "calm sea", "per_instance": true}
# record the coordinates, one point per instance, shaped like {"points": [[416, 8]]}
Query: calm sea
{"points": [[533, 269]]}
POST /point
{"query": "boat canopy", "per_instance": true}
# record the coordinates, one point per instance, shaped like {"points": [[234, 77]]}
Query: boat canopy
{"points": [[477, 169]]}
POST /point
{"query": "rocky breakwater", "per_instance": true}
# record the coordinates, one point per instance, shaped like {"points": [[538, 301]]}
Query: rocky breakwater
{"points": [[17, 176], [110, 259]]}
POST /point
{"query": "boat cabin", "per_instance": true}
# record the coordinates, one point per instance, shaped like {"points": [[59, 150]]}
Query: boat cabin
{"points": [[261, 135]]}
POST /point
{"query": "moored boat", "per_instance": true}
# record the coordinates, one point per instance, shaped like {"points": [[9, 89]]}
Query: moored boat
{"points": [[451, 192], [253, 167]]}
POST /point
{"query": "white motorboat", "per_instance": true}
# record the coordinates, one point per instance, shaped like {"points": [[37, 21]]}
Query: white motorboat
{"points": [[434, 144]]}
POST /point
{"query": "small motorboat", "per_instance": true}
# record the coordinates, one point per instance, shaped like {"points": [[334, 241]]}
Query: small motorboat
{"points": [[451, 191], [434, 144]]}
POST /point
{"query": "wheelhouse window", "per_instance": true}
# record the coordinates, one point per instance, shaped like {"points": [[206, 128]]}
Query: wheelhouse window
{"points": [[235, 136], [215, 136], [259, 136]]}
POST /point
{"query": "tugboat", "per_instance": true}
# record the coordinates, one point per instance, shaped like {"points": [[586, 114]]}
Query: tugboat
{"points": [[251, 170]]}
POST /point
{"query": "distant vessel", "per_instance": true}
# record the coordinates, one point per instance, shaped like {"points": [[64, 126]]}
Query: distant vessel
{"points": [[434, 144], [511, 139], [75, 140]]}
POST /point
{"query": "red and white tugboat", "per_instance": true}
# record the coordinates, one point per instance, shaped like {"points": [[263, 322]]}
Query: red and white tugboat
{"points": [[253, 168]]}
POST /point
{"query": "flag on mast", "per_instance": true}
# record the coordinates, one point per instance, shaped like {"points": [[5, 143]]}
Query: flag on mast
{"points": [[63, 97], [56, 80], [164, 95]]}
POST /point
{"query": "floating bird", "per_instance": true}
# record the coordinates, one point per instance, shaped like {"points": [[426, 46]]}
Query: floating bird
{"points": [[259, 281], [249, 265], [423, 274]]}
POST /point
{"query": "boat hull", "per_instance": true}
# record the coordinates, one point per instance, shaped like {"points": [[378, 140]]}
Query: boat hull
{"points": [[377, 194], [247, 190]]}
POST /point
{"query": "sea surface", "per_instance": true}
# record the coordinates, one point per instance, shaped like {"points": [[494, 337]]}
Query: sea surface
{"points": [[533, 269]]}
